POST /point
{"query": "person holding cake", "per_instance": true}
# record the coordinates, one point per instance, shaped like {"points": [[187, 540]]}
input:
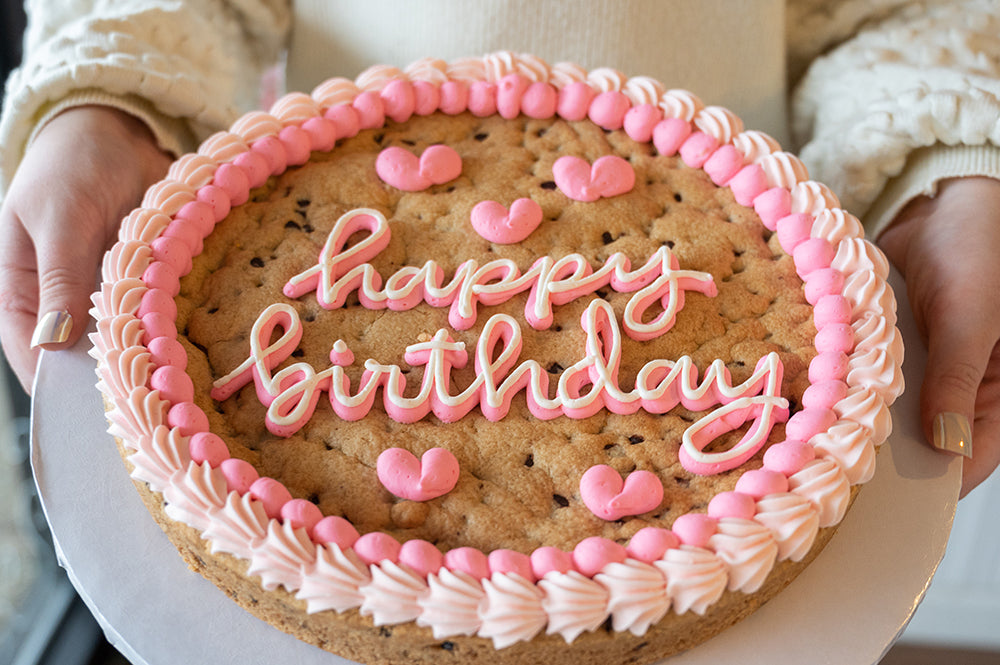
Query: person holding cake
{"points": [[892, 103], [629, 201]]}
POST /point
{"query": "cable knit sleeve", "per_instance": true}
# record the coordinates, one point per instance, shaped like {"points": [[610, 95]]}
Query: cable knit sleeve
{"points": [[912, 98], [186, 68]]}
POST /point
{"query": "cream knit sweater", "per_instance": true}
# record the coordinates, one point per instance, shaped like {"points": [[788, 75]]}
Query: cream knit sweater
{"points": [[888, 97]]}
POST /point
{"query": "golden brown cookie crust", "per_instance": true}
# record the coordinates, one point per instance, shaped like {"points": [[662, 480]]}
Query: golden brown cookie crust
{"points": [[519, 482]]}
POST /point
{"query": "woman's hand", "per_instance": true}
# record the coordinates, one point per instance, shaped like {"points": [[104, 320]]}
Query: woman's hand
{"points": [[86, 169], [948, 249]]}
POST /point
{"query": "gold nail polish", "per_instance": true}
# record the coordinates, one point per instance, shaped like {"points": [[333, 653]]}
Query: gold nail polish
{"points": [[52, 328], [953, 433]]}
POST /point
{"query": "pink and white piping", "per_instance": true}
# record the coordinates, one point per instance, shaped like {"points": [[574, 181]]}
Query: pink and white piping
{"points": [[506, 596]]}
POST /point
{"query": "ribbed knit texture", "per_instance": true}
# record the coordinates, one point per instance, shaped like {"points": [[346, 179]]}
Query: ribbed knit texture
{"points": [[875, 80]]}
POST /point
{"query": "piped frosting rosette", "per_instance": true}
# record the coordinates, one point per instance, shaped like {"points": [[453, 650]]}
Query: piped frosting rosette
{"points": [[774, 513]]}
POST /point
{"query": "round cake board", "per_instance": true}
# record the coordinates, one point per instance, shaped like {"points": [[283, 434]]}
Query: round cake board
{"points": [[847, 608]]}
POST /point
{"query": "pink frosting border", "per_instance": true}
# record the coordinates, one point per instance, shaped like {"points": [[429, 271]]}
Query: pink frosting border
{"points": [[141, 364]]}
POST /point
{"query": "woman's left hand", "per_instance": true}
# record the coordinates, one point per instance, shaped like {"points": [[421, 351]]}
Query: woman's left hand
{"points": [[948, 250]]}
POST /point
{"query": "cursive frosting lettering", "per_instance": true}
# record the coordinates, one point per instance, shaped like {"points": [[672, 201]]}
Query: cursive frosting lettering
{"points": [[341, 270], [589, 385]]}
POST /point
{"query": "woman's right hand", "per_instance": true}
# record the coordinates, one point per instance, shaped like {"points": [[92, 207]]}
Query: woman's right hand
{"points": [[85, 170]]}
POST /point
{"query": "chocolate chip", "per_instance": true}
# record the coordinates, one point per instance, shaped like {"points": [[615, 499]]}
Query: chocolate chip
{"points": [[555, 368], [303, 203], [529, 461], [481, 137], [561, 500], [548, 184], [635, 438], [257, 262], [448, 646], [606, 238]]}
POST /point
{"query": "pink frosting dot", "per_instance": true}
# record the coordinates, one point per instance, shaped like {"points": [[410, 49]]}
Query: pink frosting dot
{"points": [[824, 395], [694, 528], [155, 325], [511, 562], [608, 109], [174, 384], [831, 309], [732, 504], [370, 110], [398, 99], [788, 456], [724, 163], [823, 282], [163, 277], [217, 199], [772, 205], [273, 152], [748, 183], [640, 121], [670, 134], [322, 133], [454, 97], [234, 182], [208, 447], [188, 418], [272, 495], [468, 560], [345, 119], [173, 252], [255, 166], [509, 91], [423, 557], [200, 214], [301, 514], [835, 337], [540, 100], [758, 483], [165, 351], [239, 474], [482, 99], [807, 423], [546, 559], [698, 147], [376, 547], [574, 101], [157, 300], [592, 554], [793, 230], [187, 232], [298, 147], [336, 530], [830, 366], [426, 98], [812, 254], [651, 543]]}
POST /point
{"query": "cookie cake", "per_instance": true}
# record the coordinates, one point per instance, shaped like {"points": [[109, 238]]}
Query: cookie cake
{"points": [[496, 361]]}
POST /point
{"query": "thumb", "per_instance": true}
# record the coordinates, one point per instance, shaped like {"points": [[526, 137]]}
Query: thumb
{"points": [[66, 278], [958, 353]]}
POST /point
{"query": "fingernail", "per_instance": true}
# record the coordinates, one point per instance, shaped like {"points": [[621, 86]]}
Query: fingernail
{"points": [[953, 434], [52, 328]]}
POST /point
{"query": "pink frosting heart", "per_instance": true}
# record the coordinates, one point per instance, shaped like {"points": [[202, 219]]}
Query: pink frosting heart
{"points": [[403, 170], [609, 176], [433, 475], [609, 497], [495, 223]]}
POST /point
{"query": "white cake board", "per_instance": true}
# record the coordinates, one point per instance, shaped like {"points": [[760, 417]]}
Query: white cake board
{"points": [[847, 608]]}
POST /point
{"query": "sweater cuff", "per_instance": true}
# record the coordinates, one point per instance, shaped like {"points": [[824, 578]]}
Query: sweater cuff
{"points": [[925, 168], [172, 135]]}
